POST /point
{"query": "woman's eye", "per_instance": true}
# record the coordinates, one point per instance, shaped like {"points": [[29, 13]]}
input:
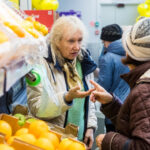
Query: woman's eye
{"points": [[71, 41], [80, 40]]}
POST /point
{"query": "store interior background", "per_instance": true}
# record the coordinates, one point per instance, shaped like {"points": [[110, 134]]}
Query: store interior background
{"points": [[95, 14], [104, 12]]}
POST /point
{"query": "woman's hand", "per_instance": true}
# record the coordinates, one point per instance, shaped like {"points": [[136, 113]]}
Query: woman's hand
{"points": [[89, 138], [76, 93], [100, 94], [99, 140]]}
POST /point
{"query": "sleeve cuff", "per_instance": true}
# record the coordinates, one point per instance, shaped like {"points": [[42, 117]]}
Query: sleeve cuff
{"points": [[94, 129], [67, 103]]}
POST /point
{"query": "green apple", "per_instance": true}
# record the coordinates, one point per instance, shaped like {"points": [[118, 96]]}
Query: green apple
{"points": [[30, 120], [21, 119]]}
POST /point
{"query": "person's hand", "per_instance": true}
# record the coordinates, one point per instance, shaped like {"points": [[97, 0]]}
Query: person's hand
{"points": [[100, 94], [89, 139], [76, 93], [99, 140]]}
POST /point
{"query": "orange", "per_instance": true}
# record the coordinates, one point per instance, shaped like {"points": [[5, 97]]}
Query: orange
{"points": [[3, 37], [27, 24], [30, 18], [6, 23], [52, 137], [29, 138], [5, 128], [64, 144], [40, 27], [18, 30], [33, 32], [44, 30], [75, 146], [11, 139], [21, 131], [6, 147], [44, 143], [38, 127], [37, 25]]}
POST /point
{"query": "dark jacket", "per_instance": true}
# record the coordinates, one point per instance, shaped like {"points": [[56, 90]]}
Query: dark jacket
{"points": [[111, 68], [131, 119]]}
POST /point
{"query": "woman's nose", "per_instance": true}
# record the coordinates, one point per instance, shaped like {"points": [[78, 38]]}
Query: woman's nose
{"points": [[77, 46]]}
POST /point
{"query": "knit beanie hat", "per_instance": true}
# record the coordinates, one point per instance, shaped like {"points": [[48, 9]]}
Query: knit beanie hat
{"points": [[136, 40], [111, 33]]}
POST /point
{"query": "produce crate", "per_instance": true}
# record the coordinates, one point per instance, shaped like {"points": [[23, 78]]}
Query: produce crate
{"points": [[18, 144]]}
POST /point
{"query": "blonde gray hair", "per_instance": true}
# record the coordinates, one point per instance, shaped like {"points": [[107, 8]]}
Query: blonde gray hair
{"points": [[67, 23]]}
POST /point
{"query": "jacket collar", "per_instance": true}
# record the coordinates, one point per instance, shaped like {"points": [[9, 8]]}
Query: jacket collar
{"points": [[50, 59], [116, 47], [87, 64], [136, 75]]}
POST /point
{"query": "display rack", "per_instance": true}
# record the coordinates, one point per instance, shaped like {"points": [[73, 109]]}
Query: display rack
{"points": [[11, 73], [2, 80], [23, 46], [16, 70]]}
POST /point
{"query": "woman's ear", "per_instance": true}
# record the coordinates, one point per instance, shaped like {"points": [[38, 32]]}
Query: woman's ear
{"points": [[106, 43], [57, 42]]}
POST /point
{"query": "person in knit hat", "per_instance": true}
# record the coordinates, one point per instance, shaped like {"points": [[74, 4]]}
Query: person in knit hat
{"points": [[111, 33], [132, 118], [111, 67]]}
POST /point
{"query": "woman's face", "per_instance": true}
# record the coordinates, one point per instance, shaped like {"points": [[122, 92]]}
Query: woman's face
{"points": [[70, 44]]}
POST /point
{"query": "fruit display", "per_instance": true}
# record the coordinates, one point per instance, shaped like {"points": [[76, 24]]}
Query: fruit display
{"points": [[6, 147], [3, 37], [20, 26], [16, 29], [20, 36], [5, 128], [21, 119], [37, 25], [36, 135]]}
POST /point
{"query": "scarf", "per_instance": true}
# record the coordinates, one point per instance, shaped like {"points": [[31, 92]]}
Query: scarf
{"points": [[72, 76]]}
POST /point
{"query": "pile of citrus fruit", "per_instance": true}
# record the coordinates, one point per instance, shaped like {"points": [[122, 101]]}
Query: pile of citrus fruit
{"points": [[14, 25], [29, 25], [37, 134]]}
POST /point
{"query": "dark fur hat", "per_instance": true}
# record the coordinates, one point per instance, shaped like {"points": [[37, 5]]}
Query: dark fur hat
{"points": [[111, 33]]}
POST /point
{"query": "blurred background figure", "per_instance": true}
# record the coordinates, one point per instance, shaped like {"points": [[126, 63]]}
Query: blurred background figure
{"points": [[111, 67]]}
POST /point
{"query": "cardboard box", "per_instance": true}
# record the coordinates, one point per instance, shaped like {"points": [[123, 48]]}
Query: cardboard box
{"points": [[20, 145], [17, 144]]}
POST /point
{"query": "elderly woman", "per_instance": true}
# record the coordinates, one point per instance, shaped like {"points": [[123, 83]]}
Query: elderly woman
{"points": [[131, 119], [69, 68]]}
